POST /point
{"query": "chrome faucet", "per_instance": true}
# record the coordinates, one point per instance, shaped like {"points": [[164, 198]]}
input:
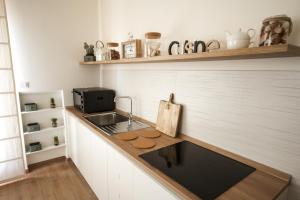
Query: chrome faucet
{"points": [[130, 113]]}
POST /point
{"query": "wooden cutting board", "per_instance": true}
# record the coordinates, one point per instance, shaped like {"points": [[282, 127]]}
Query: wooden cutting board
{"points": [[168, 117]]}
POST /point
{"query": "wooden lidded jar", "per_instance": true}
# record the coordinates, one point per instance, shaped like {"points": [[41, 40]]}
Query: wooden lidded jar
{"points": [[275, 30], [152, 44]]}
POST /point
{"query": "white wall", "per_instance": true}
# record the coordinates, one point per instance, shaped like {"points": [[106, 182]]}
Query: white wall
{"points": [[250, 107], [47, 43]]}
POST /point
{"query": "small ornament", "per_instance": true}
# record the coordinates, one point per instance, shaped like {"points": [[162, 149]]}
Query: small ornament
{"points": [[212, 45], [174, 50], [52, 103], [188, 47], [196, 46], [54, 122], [130, 36], [56, 141], [90, 56]]}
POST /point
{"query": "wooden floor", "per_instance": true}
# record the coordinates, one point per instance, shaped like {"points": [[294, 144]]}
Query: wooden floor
{"points": [[55, 180]]}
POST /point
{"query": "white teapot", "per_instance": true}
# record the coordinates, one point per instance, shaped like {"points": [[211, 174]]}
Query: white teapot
{"points": [[239, 39]]}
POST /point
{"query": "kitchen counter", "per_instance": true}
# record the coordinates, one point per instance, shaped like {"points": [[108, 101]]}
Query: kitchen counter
{"points": [[264, 183]]}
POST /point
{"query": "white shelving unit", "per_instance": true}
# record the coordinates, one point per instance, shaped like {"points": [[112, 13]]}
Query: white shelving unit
{"points": [[43, 116], [45, 130], [49, 148], [42, 110]]}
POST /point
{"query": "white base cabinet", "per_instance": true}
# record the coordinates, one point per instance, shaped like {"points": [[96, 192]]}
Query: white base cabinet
{"points": [[146, 188], [98, 166], [85, 153], [89, 153], [71, 124], [120, 176], [109, 173]]}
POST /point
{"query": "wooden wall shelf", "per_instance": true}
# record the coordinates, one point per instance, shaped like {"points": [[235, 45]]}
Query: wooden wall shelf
{"points": [[275, 51]]}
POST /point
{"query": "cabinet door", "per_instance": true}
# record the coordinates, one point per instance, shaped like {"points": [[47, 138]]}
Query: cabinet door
{"points": [[80, 147], [126, 178], [68, 135], [99, 167], [146, 188], [120, 176], [72, 138], [113, 174], [85, 160]]}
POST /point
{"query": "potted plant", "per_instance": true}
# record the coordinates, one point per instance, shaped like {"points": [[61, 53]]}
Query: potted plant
{"points": [[56, 141], [52, 103], [54, 122]]}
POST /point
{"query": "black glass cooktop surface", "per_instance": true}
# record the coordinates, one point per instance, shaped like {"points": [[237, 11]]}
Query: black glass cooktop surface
{"points": [[205, 173]]}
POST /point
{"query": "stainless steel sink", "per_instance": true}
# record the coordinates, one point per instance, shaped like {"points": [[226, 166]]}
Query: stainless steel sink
{"points": [[106, 119], [112, 123]]}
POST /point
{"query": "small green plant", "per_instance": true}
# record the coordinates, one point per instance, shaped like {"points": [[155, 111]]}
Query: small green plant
{"points": [[54, 122], [56, 140], [52, 103]]}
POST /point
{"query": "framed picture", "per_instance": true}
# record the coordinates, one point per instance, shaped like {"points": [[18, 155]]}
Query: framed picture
{"points": [[132, 49]]}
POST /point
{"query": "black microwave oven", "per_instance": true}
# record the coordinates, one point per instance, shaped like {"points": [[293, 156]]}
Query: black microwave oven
{"points": [[92, 100]]}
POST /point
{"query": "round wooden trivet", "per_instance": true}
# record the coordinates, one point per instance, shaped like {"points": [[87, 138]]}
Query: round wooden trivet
{"points": [[127, 136], [143, 143], [150, 134]]}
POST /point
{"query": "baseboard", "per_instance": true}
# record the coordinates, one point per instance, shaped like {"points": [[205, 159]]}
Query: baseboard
{"points": [[12, 180], [46, 162]]}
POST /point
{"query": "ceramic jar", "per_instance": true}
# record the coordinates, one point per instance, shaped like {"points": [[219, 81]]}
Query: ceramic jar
{"points": [[275, 30], [239, 39], [101, 52]]}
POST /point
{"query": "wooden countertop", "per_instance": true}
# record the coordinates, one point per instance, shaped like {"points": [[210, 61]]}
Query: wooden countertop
{"points": [[265, 183]]}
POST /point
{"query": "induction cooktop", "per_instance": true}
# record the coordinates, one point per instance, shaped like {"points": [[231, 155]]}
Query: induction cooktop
{"points": [[203, 172]]}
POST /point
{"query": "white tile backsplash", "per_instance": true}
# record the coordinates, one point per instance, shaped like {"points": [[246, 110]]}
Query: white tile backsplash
{"points": [[254, 113]]}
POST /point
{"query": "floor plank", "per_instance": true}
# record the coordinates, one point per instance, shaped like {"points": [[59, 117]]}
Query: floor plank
{"points": [[55, 180]]}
